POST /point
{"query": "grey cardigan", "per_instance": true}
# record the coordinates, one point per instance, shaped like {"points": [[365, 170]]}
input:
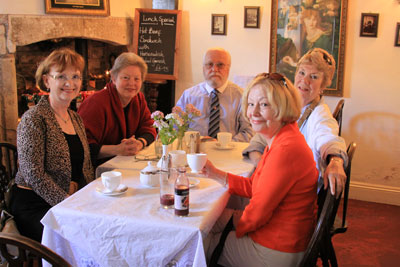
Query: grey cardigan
{"points": [[43, 153]]}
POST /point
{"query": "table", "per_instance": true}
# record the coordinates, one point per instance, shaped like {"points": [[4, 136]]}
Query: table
{"points": [[227, 160], [91, 229]]}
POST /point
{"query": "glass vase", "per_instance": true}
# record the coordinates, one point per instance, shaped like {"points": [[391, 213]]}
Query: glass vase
{"points": [[180, 145], [158, 150]]}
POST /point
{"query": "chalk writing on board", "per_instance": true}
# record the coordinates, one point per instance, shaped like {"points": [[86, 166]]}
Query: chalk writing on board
{"points": [[156, 42]]}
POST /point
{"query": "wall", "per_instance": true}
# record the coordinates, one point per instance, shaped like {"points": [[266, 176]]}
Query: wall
{"points": [[371, 113]]}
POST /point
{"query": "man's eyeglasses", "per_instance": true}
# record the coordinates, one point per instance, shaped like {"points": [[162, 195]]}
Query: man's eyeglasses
{"points": [[273, 76], [64, 78], [219, 66]]}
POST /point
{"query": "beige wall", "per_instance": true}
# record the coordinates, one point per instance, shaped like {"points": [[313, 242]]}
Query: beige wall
{"points": [[371, 114]]}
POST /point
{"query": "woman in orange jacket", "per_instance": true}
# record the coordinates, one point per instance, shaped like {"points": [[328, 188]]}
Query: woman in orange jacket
{"points": [[276, 226]]}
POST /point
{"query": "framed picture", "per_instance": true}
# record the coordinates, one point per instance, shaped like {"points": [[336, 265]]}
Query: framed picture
{"points": [[252, 17], [78, 7], [218, 24], [298, 26], [369, 25], [397, 39]]}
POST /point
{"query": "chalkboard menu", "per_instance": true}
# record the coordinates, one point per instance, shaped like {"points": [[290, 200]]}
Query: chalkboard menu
{"points": [[156, 40]]}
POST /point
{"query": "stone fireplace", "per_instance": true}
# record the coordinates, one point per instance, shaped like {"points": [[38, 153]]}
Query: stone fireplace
{"points": [[22, 30]]}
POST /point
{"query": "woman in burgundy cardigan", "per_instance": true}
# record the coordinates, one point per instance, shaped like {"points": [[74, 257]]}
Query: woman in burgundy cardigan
{"points": [[117, 119], [276, 226]]}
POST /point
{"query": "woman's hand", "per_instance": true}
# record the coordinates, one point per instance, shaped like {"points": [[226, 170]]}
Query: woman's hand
{"points": [[212, 172], [130, 147], [73, 187], [335, 175]]}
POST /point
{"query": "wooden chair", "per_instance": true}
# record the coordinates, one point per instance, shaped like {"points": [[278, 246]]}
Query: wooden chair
{"points": [[8, 170], [338, 113], [29, 251], [317, 247], [340, 225], [336, 224], [9, 161]]}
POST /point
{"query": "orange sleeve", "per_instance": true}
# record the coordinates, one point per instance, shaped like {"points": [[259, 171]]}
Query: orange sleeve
{"points": [[269, 185]]}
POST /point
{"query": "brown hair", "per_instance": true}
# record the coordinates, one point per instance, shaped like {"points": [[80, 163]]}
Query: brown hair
{"points": [[61, 59], [281, 94]]}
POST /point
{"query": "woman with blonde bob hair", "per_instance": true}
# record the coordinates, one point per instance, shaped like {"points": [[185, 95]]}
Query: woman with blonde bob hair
{"points": [[285, 103], [276, 226]]}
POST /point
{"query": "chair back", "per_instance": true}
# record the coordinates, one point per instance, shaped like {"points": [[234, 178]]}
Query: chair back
{"points": [[8, 166], [321, 236], [28, 251], [338, 113], [341, 227]]}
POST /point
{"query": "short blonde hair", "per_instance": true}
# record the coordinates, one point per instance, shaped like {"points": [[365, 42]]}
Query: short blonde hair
{"points": [[129, 59], [61, 59], [323, 61], [281, 94]]}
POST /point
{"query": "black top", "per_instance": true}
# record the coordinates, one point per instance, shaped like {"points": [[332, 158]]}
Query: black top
{"points": [[76, 156]]}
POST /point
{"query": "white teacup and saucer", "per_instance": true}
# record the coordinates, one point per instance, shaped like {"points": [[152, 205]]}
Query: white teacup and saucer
{"points": [[111, 184]]}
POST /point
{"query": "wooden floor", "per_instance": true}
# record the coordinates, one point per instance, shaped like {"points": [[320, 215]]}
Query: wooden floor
{"points": [[372, 238]]}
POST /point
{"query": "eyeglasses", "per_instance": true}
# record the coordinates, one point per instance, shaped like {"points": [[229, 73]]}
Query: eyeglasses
{"points": [[219, 66], [64, 78], [274, 76], [325, 56]]}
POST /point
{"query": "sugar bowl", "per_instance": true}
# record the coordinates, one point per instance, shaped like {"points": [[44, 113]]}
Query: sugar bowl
{"points": [[149, 175]]}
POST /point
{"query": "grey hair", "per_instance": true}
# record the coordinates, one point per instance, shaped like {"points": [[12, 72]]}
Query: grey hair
{"points": [[129, 59]]}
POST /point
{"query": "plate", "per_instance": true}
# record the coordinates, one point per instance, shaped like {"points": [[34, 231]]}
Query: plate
{"points": [[120, 190], [193, 182], [228, 147]]}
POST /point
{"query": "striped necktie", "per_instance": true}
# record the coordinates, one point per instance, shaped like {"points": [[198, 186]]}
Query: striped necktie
{"points": [[213, 125]]}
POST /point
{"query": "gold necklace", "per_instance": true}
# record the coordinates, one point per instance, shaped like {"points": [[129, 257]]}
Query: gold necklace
{"points": [[65, 121]]}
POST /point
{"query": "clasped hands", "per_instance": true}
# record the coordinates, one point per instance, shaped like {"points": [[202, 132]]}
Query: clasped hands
{"points": [[130, 146]]}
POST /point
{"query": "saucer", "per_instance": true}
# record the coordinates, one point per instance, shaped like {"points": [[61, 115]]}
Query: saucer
{"points": [[193, 182], [119, 191], [228, 147]]}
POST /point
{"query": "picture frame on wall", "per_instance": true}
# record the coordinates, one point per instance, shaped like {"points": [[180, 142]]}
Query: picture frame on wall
{"points": [[397, 38], [298, 26], [252, 17], [369, 25], [218, 24], [78, 7]]}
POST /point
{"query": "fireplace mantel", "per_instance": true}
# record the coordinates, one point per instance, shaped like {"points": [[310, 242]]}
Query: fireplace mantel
{"points": [[20, 30]]}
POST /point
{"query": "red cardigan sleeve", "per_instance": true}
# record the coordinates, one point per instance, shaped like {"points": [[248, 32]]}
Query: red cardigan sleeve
{"points": [[145, 121]]}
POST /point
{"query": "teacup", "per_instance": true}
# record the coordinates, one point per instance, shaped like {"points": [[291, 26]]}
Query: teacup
{"points": [[196, 161], [224, 138], [178, 158], [111, 180]]}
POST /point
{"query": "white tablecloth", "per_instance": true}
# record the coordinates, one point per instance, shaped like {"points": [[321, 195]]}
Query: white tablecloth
{"points": [[91, 229], [227, 160]]}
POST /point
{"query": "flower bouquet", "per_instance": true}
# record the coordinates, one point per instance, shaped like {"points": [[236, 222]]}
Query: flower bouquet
{"points": [[175, 124]]}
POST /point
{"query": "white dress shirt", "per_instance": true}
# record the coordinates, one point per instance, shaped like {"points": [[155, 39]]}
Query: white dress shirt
{"points": [[230, 102]]}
